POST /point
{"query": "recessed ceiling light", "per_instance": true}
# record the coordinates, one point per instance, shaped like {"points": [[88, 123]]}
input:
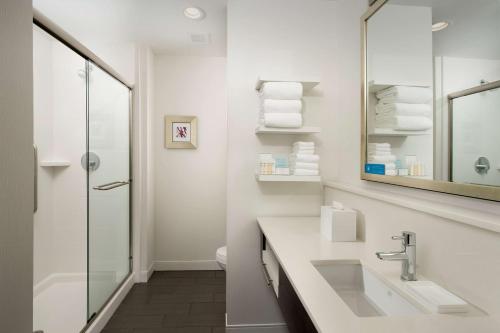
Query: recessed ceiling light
{"points": [[439, 26], [194, 13]]}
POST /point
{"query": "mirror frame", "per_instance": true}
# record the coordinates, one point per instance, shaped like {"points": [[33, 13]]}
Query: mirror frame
{"points": [[467, 190]]}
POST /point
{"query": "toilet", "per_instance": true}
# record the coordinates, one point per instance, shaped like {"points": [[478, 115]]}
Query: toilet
{"points": [[221, 257]]}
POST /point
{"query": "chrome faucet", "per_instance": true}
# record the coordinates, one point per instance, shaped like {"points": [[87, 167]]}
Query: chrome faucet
{"points": [[407, 255]]}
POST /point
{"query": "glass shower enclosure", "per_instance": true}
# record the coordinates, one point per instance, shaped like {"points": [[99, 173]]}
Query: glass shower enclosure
{"points": [[82, 221]]}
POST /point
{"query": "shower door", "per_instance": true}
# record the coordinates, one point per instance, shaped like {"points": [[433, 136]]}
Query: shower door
{"points": [[108, 165]]}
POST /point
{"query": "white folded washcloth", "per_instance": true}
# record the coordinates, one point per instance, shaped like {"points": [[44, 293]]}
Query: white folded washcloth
{"points": [[304, 151], [390, 166], [404, 123], [405, 94], [391, 172], [404, 109], [379, 145], [305, 172], [307, 166], [281, 90], [286, 120], [382, 159], [379, 152], [281, 106], [304, 158], [307, 144]]}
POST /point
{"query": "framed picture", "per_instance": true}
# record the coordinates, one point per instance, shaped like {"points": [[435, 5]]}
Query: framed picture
{"points": [[181, 132]]}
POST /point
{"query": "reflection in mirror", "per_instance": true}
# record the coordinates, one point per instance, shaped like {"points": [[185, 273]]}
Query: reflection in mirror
{"points": [[433, 90]]}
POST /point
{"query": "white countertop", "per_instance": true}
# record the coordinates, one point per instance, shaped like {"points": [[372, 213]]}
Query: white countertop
{"points": [[296, 242]]}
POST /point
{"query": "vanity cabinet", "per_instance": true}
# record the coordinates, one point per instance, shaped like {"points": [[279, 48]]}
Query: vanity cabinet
{"points": [[296, 316], [293, 311]]}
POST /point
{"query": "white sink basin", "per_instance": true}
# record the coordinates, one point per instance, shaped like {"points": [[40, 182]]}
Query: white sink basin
{"points": [[363, 291]]}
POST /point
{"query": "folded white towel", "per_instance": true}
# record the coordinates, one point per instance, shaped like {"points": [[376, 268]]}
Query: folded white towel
{"points": [[404, 123], [404, 109], [304, 158], [281, 90], [380, 145], [405, 94], [307, 166], [390, 166], [391, 172], [304, 151], [286, 120], [305, 172], [382, 159], [281, 106], [305, 144], [379, 152]]}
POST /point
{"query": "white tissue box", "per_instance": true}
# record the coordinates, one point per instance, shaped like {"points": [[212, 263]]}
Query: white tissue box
{"points": [[338, 225]]}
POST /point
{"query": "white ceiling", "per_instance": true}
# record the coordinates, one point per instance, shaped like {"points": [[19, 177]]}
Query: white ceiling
{"points": [[157, 23]]}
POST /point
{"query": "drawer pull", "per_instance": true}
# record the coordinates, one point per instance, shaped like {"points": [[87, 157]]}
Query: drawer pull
{"points": [[269, 281]]}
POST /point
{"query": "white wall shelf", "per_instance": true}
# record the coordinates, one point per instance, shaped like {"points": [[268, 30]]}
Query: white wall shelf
{"points": [[55, 163], [392, 132], [307, 84], [291, 178], [302, 130], [374, 87]]}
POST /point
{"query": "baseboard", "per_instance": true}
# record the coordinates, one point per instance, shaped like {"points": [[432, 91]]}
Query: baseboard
{"points": [[146, 274], [256, 328], [57, 278], [192, 265], [108, 311]]}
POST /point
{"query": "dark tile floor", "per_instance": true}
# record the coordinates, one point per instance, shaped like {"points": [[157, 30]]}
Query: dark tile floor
{"points": [[174, 302]]}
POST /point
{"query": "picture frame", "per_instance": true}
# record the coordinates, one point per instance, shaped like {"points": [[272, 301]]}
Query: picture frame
{"points": [[181, 132]]}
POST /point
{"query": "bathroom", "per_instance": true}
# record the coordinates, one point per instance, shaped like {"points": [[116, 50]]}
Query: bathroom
{"points": [[113, 225]]}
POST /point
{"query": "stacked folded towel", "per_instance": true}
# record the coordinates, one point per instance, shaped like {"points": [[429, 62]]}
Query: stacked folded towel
{"points": [[381, 153], [404, 108], [281, 104], [303, 161]]}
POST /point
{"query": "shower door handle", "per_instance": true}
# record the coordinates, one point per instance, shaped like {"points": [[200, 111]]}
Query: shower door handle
{"points": [[35, 178], [110, 186]]}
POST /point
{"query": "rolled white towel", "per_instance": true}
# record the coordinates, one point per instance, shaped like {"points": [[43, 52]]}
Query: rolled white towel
{"points": [[305, 172], [281, 90], [304, 158], [404, 123], [404, 109], [281, 106], [382, 159], [284, 120], [405, 94], [307, 166]]}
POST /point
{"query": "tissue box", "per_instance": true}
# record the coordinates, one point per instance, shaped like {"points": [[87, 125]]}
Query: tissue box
{"points": [[338, 225]]}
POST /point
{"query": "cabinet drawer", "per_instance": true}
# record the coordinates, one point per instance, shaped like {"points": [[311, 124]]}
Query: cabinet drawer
{"points": [[271, 265]]}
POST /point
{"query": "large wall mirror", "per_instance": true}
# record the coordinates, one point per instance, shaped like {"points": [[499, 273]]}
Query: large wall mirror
{"points": [[431, 95]]}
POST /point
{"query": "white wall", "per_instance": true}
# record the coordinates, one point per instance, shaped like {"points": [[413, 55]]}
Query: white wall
{"points": [[143, 187], [458, 256], [190, 185], [292, 39]]}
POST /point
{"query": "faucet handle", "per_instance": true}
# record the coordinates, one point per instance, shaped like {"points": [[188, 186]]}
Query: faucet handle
{"points": [[408, 238]]}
